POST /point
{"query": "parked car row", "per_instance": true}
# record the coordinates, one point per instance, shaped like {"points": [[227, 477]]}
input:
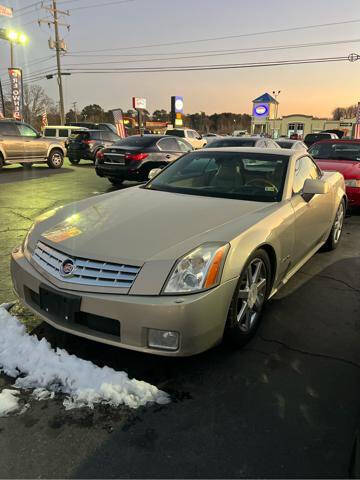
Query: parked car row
{"points": [[134, 157]]}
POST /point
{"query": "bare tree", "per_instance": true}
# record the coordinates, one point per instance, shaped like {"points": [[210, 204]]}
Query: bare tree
{"points": [[36, 101]]}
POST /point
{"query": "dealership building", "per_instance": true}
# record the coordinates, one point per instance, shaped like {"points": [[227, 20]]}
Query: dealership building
{"points": [[265, 121]]}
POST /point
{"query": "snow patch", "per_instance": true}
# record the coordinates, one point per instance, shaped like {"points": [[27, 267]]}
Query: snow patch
{"points": [[49, 371], [9, 402]]}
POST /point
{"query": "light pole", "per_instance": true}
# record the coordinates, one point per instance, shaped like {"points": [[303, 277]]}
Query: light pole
{"points": [[275, 94], [14, 37]]}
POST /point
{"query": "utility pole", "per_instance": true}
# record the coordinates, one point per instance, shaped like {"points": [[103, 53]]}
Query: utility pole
{"points": [[75, 112], [59, 46]]}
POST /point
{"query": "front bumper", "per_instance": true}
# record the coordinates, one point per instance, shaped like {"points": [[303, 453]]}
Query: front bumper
{"points": [[353, 195], [198, 318]]}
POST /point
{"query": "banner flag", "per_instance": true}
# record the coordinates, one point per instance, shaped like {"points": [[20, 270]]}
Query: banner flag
{"points": [[357, 126], [119, 122], [15, 75], [44, 119], [2, 103]]}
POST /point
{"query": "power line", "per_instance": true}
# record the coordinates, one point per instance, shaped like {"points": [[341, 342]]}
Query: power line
{"points": [[209, 67], [233, 52], [221, 51], [101, 5], [183, 42]]}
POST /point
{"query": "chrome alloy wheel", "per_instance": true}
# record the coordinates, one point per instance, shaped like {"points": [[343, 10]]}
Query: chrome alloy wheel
{"points": [[252, 294], [339, 222], [56, 159]]}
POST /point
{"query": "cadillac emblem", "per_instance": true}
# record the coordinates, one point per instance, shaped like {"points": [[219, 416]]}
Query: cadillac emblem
{"points": [[67, 268]]}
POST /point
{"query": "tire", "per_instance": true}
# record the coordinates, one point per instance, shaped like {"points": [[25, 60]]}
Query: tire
{"points": [[55, 159], [116, 181], [2, 163], [336, 230], [74, 160], [27, 166], [247, 303]]}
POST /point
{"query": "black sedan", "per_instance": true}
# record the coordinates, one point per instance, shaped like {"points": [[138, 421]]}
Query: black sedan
{"points": [[133, 157]]}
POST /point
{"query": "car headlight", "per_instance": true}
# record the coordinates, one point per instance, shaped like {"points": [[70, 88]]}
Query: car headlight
{"points": [[198, 270], [352, 183]]}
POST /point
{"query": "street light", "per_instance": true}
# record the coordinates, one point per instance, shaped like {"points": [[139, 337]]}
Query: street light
{"points": [[276, 94], [13, 37]]}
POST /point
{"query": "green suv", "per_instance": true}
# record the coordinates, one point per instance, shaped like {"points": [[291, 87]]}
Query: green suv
{"points": [[20, 143]]}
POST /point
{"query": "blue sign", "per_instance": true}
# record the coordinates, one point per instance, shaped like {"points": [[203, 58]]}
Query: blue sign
{"points": [[261, 110], [179, 104]]}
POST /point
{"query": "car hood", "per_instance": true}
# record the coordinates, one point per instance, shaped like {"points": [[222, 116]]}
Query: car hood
{"points": [[136, 225], [349, 168]]}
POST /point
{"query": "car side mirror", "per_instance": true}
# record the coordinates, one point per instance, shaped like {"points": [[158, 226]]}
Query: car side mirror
{"points": [[154, 172], [38, 135], [315, 187]]}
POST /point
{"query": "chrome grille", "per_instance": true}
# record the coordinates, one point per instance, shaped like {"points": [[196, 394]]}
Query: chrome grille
{"points": [[87, 272]]}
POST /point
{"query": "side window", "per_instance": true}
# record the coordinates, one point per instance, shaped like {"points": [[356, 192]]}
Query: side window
{"points": [[182, 146], [63, 132], [8, 129], [168, 144], [26, 131], [261, 144], [305, 168], [190, 134], [96, 135], [106, 136], [50, 132]]}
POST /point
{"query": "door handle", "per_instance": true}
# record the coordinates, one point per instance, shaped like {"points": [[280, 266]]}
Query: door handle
{"points": [[168, 156]]}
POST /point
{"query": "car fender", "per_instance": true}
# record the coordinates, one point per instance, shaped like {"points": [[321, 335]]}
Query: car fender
{"points": [[52, 146], [275, 232]]}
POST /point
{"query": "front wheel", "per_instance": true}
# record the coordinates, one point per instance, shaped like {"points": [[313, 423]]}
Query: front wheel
{"points": [[250, 294], [2, 163], [116, 181], [74, 161], [55, 159], [334, 237]]}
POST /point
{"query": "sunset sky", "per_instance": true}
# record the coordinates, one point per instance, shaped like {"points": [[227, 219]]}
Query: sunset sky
{"points": [[309, 89]]}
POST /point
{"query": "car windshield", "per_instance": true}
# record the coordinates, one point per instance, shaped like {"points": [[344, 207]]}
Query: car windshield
{"points": [[233, 142], [80, 136], [136, 141], [237, 175], [336, 151], [316, 137], [285, 144]]}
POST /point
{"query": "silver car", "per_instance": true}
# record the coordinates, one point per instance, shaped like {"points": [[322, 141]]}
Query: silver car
{"points": [[174, 266]]}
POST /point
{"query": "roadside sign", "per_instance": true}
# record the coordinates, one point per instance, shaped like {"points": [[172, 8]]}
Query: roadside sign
{"points": [[6, 11], [139, 103]]}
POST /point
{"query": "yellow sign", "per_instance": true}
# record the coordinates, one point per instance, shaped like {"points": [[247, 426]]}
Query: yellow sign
{"points": [[179, 122]]}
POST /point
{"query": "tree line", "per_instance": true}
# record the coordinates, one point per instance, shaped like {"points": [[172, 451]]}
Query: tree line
{"points": [[36, 101]]}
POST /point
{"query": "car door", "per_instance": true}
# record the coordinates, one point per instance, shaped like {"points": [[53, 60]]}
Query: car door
{"points": [[312, 213], [169, 149], [34, 146], [11, 141]]}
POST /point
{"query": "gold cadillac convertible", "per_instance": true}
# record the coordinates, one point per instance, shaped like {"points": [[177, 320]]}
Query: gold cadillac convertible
{"points": [[175, 266]]}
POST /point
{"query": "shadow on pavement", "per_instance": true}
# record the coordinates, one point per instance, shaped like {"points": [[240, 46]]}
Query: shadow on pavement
{"points": [[287, 405], [18, 174]]}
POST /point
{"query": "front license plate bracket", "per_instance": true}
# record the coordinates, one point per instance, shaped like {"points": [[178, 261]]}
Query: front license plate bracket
{"points": [[61, 306]]}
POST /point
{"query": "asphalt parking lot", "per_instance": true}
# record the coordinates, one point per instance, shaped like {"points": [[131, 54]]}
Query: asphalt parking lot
{"points": [[287, 405]]}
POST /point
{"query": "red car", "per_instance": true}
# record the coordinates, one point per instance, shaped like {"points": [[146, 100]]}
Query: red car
{"points": [[341, 156]]}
